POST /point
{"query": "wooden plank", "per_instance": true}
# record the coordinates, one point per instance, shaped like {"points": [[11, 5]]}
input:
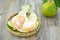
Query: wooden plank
{"points": [[4, 5], [58, 24], [1, 6], [1, 27], [5, 34]]}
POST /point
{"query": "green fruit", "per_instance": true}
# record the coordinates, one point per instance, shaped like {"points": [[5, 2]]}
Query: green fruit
{"points": [[49, 9]]}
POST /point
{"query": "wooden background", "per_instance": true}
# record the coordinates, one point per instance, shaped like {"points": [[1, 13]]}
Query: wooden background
{"points": [[50, 27]]}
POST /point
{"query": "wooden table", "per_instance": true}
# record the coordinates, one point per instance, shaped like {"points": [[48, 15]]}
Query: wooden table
{"points": [[50, 27]]}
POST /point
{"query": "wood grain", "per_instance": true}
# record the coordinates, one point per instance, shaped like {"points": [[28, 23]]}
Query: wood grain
{"points": [[50, 27]]}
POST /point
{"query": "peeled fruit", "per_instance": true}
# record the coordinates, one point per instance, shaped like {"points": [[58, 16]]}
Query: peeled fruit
{"points": [[49, 9]]}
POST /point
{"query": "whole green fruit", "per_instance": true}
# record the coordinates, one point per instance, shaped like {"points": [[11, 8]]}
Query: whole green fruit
{"points": [[49, 9]]}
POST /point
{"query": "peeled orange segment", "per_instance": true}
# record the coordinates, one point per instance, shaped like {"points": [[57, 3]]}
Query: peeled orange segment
{"points": [[27, 26], [22, 19], [14, 23], [18, 21], [28, 29]]}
